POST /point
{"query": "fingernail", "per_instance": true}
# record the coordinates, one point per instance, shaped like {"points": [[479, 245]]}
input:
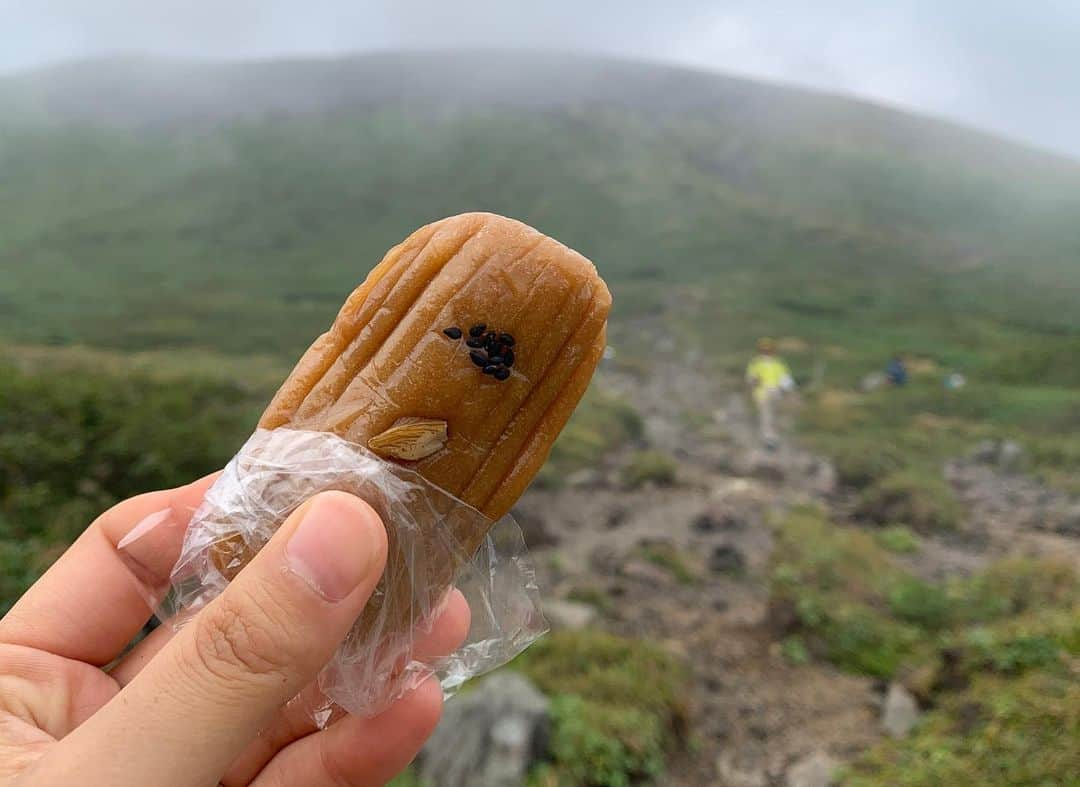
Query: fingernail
{"points": [[336, 546]]}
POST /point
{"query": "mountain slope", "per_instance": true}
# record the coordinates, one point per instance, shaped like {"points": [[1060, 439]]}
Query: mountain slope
{"points": [[147, 203]]}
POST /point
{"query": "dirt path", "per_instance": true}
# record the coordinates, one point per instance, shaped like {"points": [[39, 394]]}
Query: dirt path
{"points": [[753, 713]]}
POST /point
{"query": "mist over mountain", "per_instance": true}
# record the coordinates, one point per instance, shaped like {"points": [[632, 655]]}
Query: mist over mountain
{"points": [[268, 188]]}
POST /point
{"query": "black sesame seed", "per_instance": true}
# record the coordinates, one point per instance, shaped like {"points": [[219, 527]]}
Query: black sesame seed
{"points": [[478, 358], [506, 339], [508, 357], [474, 343], [491, 369], [501, 373], [477, 329], [453, 333], [496, 359]]}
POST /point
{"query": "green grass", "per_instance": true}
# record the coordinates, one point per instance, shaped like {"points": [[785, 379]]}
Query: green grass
{"points": [[1021, 732], [898, 539], [921, 500], [855, 607], [618, 708], [649, 466], [407, 778], [672, 561], [592, 595], [601, 423], [891, 444], [71, 444]]}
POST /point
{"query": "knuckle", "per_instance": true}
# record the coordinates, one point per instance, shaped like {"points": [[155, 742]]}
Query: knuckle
{"points": [[242, 636]]}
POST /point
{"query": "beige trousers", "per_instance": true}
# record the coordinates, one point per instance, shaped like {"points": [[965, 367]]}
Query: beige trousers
{"points": [[766, 401]]}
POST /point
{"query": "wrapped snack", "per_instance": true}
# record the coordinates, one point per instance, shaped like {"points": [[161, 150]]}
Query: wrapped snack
{"points": [[435, 396]]}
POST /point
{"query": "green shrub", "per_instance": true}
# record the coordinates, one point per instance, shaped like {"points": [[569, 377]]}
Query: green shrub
{"points": [[898, 539], [601, 423], [602, 746], [920, 500], [1010, 654], [924, 604], [794, 650], [21, 562], [74, 442], [861, 639], [645, 466], [813, 554], [854, 607], [860, 463], [1022, 732], [1044, 363], [407, 778], [619, 705], [671, 560], [592, 595], [1013, 586]]}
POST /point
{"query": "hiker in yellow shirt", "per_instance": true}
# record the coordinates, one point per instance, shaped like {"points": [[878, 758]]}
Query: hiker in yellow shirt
{"points": [[768, 378]]}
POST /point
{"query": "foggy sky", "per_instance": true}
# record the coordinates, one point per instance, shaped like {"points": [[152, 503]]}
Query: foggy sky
{"points": [[1004, 65]]}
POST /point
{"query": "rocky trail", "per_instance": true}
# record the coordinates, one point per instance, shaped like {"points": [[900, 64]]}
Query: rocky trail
{"points": [[686, 565]]}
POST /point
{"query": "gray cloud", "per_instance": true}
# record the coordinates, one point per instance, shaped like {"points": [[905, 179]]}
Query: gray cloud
{"points": [[1011, 67]]}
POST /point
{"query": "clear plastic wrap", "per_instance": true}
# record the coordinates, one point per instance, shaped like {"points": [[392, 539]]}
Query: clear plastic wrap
{"points": [[277, 470]]}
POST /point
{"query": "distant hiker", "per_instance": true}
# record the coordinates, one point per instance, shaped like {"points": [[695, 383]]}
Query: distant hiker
{"points": [[768, 378], [896, 371]]}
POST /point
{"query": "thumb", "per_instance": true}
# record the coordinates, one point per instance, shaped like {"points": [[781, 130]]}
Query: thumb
{"points": [[200, 701]]}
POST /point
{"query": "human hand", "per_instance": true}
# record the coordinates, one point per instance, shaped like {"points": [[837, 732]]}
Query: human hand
{"points": [[205, 705]]}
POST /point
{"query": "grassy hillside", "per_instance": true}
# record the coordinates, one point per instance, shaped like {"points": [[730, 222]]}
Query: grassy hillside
{"points": [[231, 206]]}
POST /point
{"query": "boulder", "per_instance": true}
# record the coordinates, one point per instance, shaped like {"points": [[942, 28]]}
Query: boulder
{"points": [[645, 572], [985, 452], [1010, 456], [717, 520], [488, 737], [568, 615], [586, 477], [899, 712], [765, 467], [726, 559], [1007, 455], [1064, 520], [821, 477], [734, 771], [535, 529], [813, 770]]}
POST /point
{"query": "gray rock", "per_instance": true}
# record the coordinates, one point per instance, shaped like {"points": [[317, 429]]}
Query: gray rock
{"points": [[716, 520], [1007, 455], [489, 737], [813, 770], [726, 559], [1068, 521], [568, 615], [985, 452], [585, 477], [766, 467], [1010, 456], [645, 572], [615, 518], [872, 382], [734, 773], [899, 712], [535, 529], [821, 477]]}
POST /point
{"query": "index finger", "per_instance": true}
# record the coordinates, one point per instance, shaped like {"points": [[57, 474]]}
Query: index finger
{"points": [[94, 599]]}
